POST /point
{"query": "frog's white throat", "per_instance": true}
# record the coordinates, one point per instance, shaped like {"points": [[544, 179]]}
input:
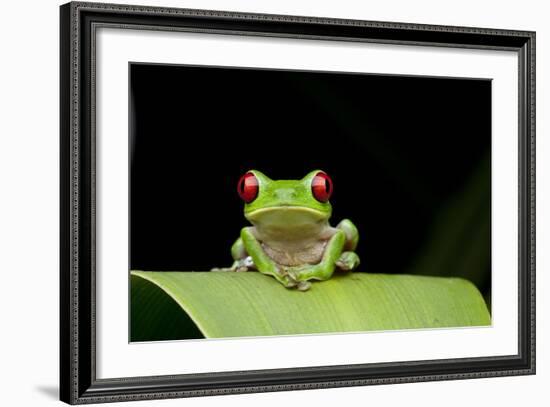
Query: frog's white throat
{"points": [[289, 222]]}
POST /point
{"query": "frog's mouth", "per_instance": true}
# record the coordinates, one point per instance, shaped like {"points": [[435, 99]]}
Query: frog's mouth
{"points": [[286, 216]]}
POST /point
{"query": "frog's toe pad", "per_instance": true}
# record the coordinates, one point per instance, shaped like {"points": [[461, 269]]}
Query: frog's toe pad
{"points": [[303, 285], [290, 283], [348, 261]]}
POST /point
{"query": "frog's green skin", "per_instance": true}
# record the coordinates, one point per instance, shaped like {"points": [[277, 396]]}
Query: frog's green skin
{"points": [[291, 238]]}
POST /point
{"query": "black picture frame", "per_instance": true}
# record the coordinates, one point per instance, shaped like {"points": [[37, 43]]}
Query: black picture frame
{"points": [[78, 381]]}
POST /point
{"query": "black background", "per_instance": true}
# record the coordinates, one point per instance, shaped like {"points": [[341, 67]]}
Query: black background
{"points": [[409, 158]]}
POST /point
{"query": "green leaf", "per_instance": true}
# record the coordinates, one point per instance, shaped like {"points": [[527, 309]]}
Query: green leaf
{"points": [[459, 243], [155, 316], [228, 304]]}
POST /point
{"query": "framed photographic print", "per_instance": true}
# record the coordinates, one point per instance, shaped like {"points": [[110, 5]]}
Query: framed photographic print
{"points": [[256, 203]]}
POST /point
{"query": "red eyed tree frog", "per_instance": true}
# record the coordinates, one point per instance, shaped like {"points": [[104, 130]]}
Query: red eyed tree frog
{"points": [[291, 238]]}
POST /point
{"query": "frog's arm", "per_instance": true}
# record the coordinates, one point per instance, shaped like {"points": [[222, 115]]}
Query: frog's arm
{"points": [[324, 269], [262, 261]]}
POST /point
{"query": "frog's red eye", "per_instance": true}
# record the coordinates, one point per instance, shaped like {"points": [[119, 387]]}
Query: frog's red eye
{"points": [[248, 187], [321, 187]]}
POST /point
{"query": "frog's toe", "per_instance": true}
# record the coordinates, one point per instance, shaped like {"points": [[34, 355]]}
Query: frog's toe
{"points": [[248, 262], [348, 261], [243, 264], [291, 274], [222, 269], [289, 282], [303, 285]]}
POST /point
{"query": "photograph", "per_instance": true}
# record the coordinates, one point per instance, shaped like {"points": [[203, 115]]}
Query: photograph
{"points": [[283, 202], [254, 202], [279, 203]]}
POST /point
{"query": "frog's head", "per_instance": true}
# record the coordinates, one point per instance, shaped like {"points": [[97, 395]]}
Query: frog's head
{"points": [[283, 204]]}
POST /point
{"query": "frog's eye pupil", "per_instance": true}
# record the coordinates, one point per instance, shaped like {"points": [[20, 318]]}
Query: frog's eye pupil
{"points": [[321, 187], [248, 187]]}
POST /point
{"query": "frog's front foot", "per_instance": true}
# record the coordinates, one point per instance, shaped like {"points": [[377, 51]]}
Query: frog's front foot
{"points": [[303, 285], [245, 264], [288, 279], [240, 265], [302, 274], [348, 261], [299, 285]]}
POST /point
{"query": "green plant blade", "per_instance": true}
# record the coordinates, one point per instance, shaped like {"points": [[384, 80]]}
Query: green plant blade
{"points": [[226, 304], [155, 316], [459, 243]]}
